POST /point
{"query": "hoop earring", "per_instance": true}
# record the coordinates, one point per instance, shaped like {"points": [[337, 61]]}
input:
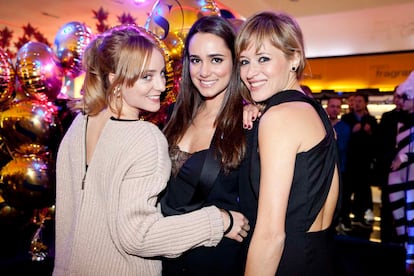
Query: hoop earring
{"points": [[117, 92]]}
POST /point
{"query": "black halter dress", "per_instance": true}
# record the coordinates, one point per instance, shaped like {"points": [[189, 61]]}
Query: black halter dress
{"points": [[305, 253]]}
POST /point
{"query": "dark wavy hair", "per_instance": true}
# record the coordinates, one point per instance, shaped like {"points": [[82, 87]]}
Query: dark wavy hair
{"points": [[229, 139]]}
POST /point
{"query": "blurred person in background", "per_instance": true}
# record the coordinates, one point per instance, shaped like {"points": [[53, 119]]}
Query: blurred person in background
{"points": [[343, 132], [359, 160], [401, 178], [386, 151]]}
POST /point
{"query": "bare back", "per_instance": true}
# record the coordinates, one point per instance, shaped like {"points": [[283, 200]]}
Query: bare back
{"points": [[299, 183]]}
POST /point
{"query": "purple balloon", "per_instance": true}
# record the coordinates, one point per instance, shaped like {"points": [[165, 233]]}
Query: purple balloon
{"points": [[39, 71]]}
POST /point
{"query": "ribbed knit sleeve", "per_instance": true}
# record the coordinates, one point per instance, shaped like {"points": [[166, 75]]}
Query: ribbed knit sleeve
{"points": [[142, 230]]}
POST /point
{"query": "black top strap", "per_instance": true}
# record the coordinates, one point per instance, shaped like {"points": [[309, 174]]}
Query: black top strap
{"points": [[189, 192], [208, 175]]}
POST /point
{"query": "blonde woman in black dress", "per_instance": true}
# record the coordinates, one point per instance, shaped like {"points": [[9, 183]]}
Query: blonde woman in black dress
{"points": [[294, 157]]}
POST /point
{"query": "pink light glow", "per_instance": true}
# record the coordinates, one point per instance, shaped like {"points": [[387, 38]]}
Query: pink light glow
{"points": [[138, 2]]}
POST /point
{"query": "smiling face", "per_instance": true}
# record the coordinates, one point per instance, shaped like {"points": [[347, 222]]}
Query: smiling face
{"points": [[210, 64], [265, 71], [145, 94]]}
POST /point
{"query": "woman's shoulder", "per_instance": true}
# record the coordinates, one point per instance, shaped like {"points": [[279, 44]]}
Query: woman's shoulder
{"points": [[143, 142], [77, 124], [294, 119], [142, 132], [79, 119], [289, 110], [151, 129], [138, 126]]}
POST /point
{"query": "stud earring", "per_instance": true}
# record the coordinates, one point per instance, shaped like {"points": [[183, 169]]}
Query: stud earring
{"points": [[293, 69]]}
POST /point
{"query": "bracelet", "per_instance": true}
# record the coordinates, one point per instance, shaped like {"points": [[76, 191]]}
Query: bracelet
{"points": [[231, 222]]}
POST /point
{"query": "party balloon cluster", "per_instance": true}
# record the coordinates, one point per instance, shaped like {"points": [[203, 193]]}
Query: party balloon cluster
{"points": [[33, 106], [32, 112], [30, 126]]}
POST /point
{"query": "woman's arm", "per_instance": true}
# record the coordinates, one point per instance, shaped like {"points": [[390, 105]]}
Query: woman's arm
{"points": [[278, 147], [143, 231], [136, 221]]}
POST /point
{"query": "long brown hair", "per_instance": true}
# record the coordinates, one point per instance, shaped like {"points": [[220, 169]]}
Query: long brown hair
{"points": [[229, 139]]}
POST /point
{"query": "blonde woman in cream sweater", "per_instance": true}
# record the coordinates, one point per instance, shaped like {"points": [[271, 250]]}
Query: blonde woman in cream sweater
{"points": [[111, 167]]}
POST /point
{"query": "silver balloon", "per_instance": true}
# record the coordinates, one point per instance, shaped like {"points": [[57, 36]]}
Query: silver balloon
{"points": [[70, 43], [28, 182], [30, 127], [39, 71]]}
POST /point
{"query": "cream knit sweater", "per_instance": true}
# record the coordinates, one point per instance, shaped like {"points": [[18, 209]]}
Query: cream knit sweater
{"points": [[112, 226]]}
